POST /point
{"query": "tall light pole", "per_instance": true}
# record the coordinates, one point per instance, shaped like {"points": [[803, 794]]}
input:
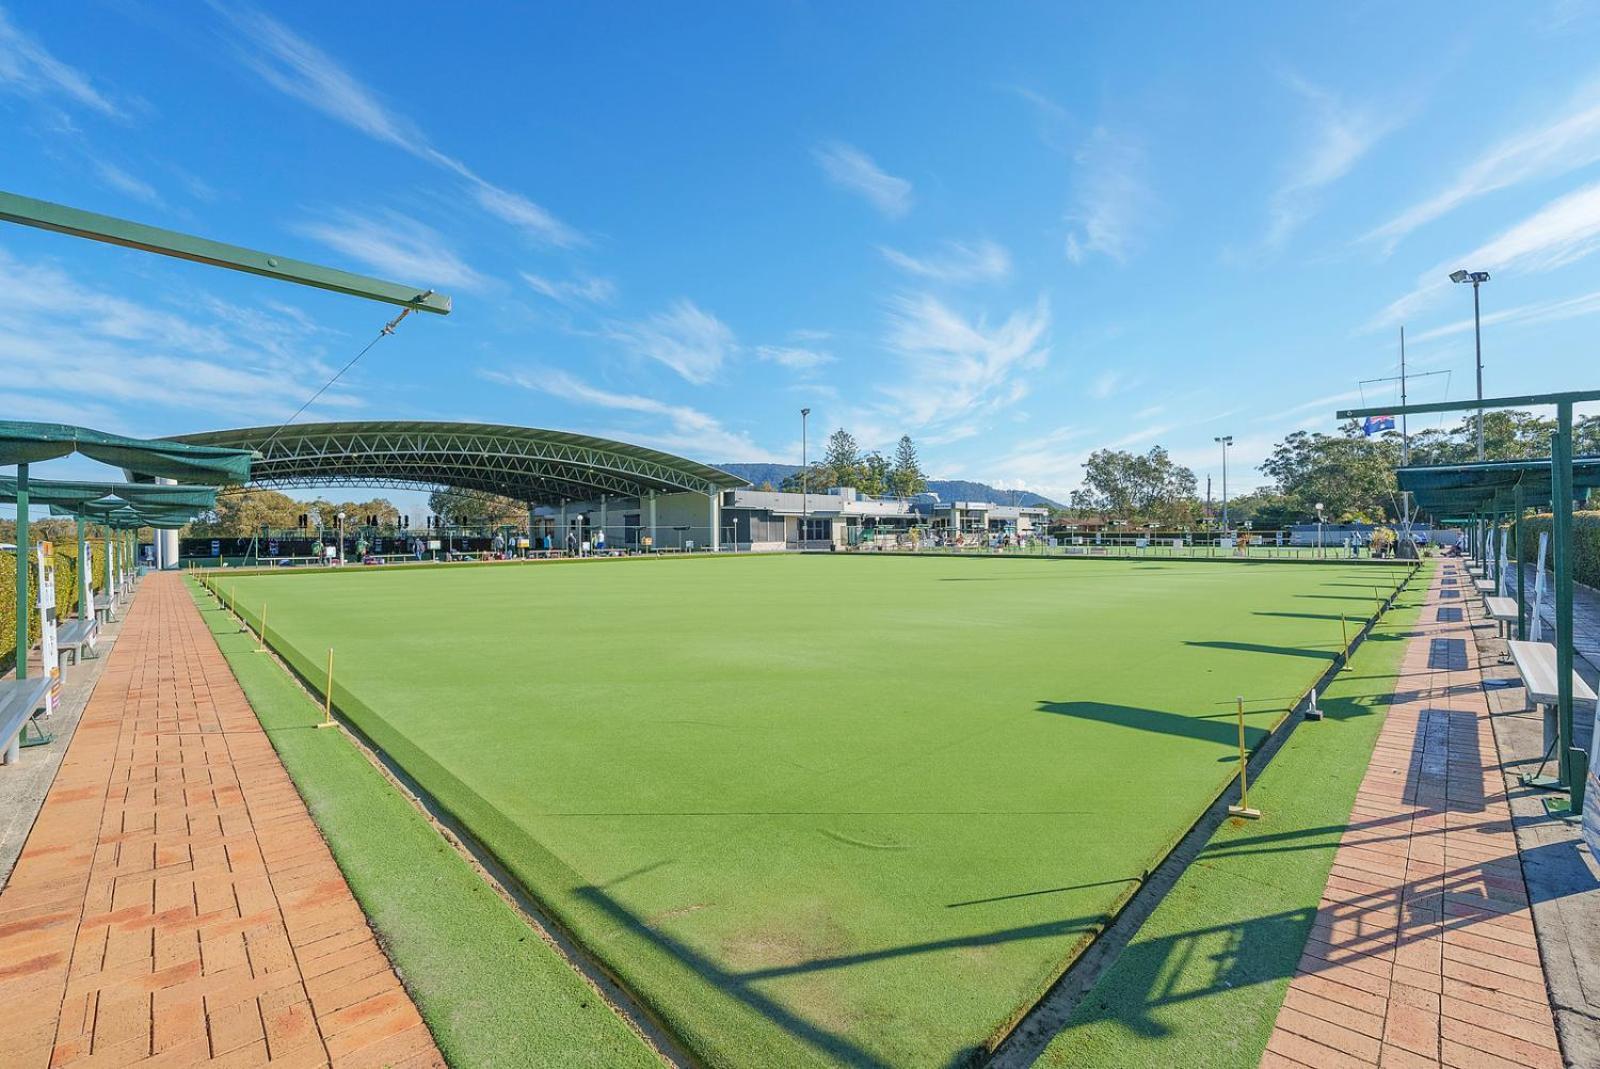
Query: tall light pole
{"points": [[341, 538], [1477, 278], [805, 472], [1319, 528], [1226, 440]]}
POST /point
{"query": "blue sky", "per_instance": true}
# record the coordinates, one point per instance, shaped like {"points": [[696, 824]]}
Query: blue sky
{"points": [[1017, 232]]}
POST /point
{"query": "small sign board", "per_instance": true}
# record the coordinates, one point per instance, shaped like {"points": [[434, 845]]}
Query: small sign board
{"points": [[49, 654]]}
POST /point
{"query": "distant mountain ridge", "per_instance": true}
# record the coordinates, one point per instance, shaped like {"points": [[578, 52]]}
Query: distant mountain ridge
{"points": [[947, 489]]}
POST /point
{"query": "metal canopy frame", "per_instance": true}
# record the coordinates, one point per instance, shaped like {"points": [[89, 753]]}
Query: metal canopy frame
{"points": [[527, 464], [114, 231], [1561, 484]]}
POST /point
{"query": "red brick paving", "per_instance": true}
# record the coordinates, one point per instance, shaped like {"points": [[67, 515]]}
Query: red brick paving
{"points": [[1423, 952], [174, 904]]}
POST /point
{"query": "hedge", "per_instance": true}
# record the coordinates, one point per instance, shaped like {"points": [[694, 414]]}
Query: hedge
{"points": [[1585, 542], [66, 594]]}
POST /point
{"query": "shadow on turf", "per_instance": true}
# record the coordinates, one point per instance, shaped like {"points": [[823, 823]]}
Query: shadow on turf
{"points": [[741, 985], [1262, 647], [1219, 729]]}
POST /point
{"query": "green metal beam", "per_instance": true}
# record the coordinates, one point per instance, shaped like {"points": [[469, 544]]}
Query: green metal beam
{"points": [[1568, 398], [114, 231]]}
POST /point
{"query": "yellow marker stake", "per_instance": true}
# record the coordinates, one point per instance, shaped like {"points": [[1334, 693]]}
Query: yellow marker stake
{"points": [[1344, 633], [261, 635], [1243, 808], [327, 695]]}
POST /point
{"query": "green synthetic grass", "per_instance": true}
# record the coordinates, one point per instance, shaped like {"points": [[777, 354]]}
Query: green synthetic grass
{"points": [[491, 990], [822, 810], [1202, 981]]}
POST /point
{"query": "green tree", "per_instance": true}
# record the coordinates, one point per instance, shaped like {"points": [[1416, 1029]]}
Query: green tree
{"points": [[842, 458], [1149, 487], [875, 475], [1350, 474], [240, 512], [476, 506], [906, 476]]}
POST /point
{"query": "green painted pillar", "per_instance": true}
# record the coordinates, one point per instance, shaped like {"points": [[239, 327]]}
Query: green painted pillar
{"points": [[83, 572], [1522, 614], [22, 571], [1561, 522]]}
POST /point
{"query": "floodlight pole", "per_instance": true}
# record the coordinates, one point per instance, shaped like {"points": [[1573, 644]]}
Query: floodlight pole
{"points": [[805, 470], [1226, 440], [1478, 278], [1477, 339]]}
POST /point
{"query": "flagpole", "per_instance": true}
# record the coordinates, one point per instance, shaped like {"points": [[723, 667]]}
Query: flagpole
{"points": [[1405, 439]]}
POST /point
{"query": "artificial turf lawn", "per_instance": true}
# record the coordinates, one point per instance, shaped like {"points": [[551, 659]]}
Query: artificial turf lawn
{"points": [[491, 990], [814, 809], [1202, 981]]}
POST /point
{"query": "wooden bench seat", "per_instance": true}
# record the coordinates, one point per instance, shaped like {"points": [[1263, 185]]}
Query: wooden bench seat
{"points": [[73, 635], [19, 700], [1536, 664], [1503, 611]]}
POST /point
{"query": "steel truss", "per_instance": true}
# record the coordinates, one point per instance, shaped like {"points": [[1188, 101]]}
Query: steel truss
{"points": [[525, 464]]}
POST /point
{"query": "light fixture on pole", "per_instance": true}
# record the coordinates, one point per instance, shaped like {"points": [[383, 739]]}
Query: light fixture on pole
{"points": [[1319, 528], [1226, 440], [341, 538], [805, 471], [1477, 278]]}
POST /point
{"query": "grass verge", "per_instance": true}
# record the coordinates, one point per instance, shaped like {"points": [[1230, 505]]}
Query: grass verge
{"points": [[1202, 981], [492, 991]]}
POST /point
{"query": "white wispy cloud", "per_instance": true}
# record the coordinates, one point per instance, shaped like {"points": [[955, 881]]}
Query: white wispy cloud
{"points": [[29, 69], [1336, 138], [850, 168], [793, 357], [66, 338], [125, 183], [1563, 231], [1561, 144], [955, 262], [690, 341], [1111, 202], [1536, 312], [299, 69], [685, 430], [956, 368], [394, 245], [586, 289], [1106, 383]]}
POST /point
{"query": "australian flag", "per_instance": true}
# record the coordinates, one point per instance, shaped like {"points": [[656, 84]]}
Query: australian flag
{"points": [[1376, 424]]}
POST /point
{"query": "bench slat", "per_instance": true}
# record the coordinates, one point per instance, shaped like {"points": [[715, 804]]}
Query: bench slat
{"points": [[1536, 664]]}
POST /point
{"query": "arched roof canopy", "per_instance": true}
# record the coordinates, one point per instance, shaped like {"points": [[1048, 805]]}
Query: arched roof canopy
{"points": [[539, 467]]}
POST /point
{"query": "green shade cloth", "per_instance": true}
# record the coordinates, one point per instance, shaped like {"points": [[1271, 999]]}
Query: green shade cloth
{"points": [[1453, 491], [26, 443], [72, 494], [123, 516]]}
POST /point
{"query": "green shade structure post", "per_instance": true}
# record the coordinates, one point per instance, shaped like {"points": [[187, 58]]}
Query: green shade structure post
{"points": [[22, 571], [1522, 613], [83, 572], [1561, 522]]}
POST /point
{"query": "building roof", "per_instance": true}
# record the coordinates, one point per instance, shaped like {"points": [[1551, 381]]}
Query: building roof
{"points": [[526, 464]]}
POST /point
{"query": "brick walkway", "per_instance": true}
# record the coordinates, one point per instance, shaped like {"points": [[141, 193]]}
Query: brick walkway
{"points": [[1423, 952], [174, 904]]}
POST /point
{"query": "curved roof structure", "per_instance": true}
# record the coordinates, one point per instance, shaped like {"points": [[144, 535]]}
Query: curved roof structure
{"points": [[523, 463]]}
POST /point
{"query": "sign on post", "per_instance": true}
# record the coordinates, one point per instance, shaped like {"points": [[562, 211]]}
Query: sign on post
{"points": [[87, 572], [49, 655]]}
